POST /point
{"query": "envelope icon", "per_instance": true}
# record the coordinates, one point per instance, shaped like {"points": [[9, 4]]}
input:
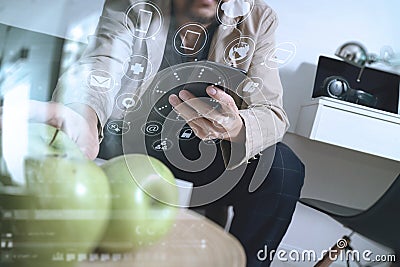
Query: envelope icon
{"points": [[100, 81]]}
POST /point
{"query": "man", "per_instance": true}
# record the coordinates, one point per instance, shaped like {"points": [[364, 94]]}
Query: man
{"points": [[238, 33]]}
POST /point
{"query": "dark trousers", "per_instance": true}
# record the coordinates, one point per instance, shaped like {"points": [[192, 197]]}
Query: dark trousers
{"points": [[262, 217]]}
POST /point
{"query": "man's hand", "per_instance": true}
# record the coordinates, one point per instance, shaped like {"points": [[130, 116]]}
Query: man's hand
{"points": [[208, 123], [78, 121]]}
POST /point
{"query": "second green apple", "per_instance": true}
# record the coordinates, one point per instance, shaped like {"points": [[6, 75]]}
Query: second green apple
{"points": [[144, 200]]}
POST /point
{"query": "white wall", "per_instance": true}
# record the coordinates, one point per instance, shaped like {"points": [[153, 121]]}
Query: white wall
{"points": [[333, 174], [58, 18], [317, 28]]}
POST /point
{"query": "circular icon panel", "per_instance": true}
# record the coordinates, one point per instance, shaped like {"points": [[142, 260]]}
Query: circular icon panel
{"points": [[190, 39], [233, 12], [138, 68], [143, 20], [186, 134], [162, 145], [250, 86], [194, 77], [239, 51], [152, 128], [101, 81], [164, 108], [180, 157], [128, 102], [280, 55], [118, 127]]}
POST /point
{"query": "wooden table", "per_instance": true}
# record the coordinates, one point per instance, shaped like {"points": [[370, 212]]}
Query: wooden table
{"points": [[193, 241]]}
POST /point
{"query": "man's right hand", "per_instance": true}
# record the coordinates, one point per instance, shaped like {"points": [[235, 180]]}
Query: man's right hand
{"points": [[78, 121]]}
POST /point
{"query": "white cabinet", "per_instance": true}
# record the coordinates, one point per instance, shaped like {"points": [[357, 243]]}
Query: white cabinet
{"points": [[351, 126]]}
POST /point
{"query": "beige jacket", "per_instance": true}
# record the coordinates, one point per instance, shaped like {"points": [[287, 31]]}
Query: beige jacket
{"points": [[263, 115]]}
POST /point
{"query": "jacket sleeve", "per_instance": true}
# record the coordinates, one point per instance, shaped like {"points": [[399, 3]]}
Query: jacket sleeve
{"points": [[262, 111], [105, 54]]}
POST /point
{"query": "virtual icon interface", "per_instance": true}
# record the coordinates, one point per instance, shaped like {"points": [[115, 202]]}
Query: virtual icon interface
{"points": [[164, 108], [144, 20], [177, 144], [239, 51], [190, 39], [236, 8], [152, 128], [190, 35], [187, 134], [281, 55], [138, 68], [162, 145], [100, 81], [250, 87], [118, 127], [128, 102], [233, 12]]}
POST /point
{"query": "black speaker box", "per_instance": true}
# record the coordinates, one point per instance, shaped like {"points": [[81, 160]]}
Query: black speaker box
{"points": [[385, 86]]}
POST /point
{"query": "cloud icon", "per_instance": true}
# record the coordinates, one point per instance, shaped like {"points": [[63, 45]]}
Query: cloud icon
{"points": [[236, 8]]}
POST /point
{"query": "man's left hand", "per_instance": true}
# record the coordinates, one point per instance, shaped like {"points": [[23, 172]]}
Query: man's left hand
{"points": [[208, 122]]}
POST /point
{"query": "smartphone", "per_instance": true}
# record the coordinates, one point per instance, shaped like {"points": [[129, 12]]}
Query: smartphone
{"points": [[143, 21], [190, 35]]}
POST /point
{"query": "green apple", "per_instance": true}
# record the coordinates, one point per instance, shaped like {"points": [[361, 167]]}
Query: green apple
{"points": [[42, 140], [144, 200], [72, 200], [65, 204], [5, 178], [46, 140]]}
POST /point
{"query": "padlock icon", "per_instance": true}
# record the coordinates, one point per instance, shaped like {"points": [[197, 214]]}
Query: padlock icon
{"points": [[187, 134]]}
